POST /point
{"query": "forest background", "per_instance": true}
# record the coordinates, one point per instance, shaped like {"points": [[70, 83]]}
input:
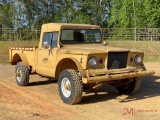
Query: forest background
{"points": [[106, 13]]}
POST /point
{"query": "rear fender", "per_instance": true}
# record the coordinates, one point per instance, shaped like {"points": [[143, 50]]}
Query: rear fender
{"points": [[20, 57]]}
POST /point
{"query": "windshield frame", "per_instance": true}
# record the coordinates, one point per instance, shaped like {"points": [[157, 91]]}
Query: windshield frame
{"points": [[79, 42]]}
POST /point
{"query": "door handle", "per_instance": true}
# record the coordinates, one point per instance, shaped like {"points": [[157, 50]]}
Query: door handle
{"points": [[45, 60]]}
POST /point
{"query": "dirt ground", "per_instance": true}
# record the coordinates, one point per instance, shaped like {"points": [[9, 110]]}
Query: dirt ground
{"points": [[40, 100]]}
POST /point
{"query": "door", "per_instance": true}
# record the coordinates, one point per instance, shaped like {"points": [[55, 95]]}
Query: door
{"points": [[46, 54]]}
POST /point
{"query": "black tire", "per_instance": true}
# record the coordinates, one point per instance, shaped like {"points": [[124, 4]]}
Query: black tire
{"points": [[22, 74], [70, 87], [130, 88]]}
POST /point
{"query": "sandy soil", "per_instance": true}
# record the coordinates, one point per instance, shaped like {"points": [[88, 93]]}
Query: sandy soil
{"points": [[40, 100]]}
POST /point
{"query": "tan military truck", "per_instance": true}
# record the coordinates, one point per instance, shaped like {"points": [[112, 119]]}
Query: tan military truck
{"points": [[76, 56]]}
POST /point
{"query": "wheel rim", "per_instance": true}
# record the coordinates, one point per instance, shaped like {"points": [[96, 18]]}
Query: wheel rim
{"points": [[66, 87], [19, 74]]}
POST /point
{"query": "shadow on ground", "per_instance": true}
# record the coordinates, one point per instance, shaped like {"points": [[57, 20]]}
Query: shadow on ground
{"points": [[150, 87], [38, 83]]}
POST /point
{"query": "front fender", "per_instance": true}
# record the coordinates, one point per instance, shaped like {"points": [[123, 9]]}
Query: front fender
{"points": [[60, 66], [80, 69]]}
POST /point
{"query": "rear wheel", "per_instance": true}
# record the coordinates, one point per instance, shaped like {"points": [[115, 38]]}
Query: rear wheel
{"points": [[70, 86], [22, 74], [130, 88]]}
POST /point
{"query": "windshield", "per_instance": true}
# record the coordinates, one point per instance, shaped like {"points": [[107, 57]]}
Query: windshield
{"points": [[80, 36]]}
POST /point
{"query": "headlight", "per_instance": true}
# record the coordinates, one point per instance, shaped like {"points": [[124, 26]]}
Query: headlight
{"points": [[138, 59], [92, 61]]}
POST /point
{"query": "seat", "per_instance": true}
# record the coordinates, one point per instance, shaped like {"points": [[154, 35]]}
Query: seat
{"points": [[79, 37]]}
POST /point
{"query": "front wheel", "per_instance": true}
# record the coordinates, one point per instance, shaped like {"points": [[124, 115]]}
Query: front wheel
{"points": [[70, 87], [131, 87], [22, 74]]}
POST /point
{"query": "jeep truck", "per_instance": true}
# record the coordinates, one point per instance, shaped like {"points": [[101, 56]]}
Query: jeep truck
{"points": [[80, 60]]}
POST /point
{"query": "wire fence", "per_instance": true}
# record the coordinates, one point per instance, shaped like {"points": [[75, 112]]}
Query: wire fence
{"points": [[130, 34], [19, 34], [139, 34]]}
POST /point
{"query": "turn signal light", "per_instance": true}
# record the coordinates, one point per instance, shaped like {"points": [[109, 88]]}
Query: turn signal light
{"points": [[100, 61]]}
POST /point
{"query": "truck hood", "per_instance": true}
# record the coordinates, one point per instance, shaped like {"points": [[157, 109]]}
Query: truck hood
{"points": [[85, 49]]}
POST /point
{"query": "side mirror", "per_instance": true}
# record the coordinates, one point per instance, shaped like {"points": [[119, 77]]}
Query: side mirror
{"points": [[104, 42]]}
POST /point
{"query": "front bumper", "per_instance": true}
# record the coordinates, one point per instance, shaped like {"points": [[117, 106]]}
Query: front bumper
{"points": [[116, 76]]}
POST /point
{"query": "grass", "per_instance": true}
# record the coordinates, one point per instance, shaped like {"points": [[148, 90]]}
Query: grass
{"points": [[5, 45], [150, 49]]}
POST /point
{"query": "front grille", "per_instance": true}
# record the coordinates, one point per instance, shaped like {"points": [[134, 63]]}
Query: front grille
{"points": [[117, 60]]}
